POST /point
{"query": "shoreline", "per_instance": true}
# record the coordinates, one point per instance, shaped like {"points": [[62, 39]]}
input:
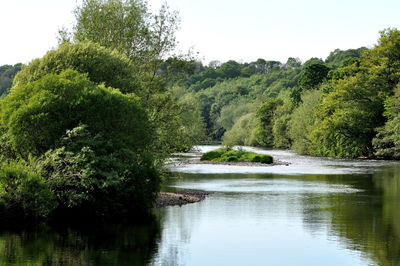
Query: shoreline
{"points": [[165, 199]]}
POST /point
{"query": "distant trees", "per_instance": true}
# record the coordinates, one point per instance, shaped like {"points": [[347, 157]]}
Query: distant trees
{"points": [[353, 106], [344, 106], [7, 74]]}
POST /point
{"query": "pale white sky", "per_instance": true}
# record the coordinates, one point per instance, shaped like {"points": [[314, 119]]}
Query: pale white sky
{"points": [[219, 29]]}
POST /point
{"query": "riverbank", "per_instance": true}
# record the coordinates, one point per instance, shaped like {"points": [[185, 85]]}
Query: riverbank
{"points": [[165, 199]]}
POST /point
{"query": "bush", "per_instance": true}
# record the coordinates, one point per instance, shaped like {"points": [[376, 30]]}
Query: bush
{"points": [[93, 143], [102, 65], [231, 155], [262, 158], [24, 192], [35, 117], [212, 155], [88, 174]]}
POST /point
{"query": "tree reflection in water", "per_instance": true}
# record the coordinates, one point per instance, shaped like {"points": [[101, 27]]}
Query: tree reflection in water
{"points": [[104, 244]]}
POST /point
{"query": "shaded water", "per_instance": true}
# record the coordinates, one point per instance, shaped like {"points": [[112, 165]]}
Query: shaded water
{"points": [[316, 211]]}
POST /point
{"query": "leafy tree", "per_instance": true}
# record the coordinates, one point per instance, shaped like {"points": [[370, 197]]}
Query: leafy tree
{"points": [[231, 112], [241, 131], [129, 27], [281, 120], [101, 64], [24, 193], [387, 140], [264, 118], [353, 107], [312, 75], [301, 121], [337, 57], [230, 69], [36, 115], [94, 142], [293, 62]]}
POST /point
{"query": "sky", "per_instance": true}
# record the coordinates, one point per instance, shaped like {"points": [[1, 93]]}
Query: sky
{"points": [[221, 30]]}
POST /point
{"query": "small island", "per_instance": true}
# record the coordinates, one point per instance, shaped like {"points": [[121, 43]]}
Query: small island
{"points": [[232, 155]]}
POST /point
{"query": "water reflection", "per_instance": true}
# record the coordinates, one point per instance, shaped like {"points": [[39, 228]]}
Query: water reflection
{"points": [[285, 220], [88, 245], [346, 213]]}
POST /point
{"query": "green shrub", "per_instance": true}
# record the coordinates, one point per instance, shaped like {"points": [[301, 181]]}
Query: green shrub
{"points": [[212, 155], [90, 173], [24, 192], [93, 143], [34, 117], [231, 155], [102, 65], [262, 158]]}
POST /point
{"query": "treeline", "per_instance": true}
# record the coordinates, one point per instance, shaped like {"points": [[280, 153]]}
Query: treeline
{"points": [[343, 106], [272, 104], [85, 130]]}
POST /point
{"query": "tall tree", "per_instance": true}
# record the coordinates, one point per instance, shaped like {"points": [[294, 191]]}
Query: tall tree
{"points": [[129, 27], [353, 105]]}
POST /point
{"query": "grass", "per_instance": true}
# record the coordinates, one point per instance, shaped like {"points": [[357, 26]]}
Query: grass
{"points": [[231, 155]]}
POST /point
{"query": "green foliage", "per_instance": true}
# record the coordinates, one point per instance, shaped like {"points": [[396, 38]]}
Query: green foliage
{"points": [[265, 115], [93, 143], [233, 111], [129, 27], [101, 65], [7, 74], [24, 192], [353, 106], [242, 132], [100, 176], [337, 58], [301, 121], [279, 131], [35, 116], [312, 75], [213, 155], [230, 69], [231, 155], [387, 141]]}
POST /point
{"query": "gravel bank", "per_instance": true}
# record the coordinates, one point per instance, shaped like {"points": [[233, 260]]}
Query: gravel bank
{"points": [[172, 199]]}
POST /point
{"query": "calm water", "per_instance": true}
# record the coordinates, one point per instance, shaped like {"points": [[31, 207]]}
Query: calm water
{"points": [[313, 212]]}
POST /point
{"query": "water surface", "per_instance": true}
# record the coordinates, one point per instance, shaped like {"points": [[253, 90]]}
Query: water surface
{"points": [[316, 211]]}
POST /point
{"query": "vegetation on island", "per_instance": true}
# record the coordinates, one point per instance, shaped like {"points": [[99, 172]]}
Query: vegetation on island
{"points": [[232, 155]]}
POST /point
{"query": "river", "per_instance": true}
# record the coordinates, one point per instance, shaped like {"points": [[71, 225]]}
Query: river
{"points": [[315, 211]]}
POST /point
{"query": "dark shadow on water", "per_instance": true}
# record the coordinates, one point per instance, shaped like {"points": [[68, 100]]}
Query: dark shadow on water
{"points": [[81, 244]]}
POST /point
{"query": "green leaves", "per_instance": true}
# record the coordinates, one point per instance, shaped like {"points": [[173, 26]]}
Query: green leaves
{"points": [[24, 192], [102, 65]]}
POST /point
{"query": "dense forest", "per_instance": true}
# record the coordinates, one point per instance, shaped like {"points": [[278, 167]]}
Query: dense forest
{"points": [[89, 125], [343, 106]]}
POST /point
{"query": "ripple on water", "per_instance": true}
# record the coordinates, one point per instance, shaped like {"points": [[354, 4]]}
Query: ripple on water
{"points": [[298, 164], [268, 186]]}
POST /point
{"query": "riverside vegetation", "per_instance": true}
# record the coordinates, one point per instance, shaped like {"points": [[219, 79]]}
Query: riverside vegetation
{"points": [[231, 155], [89, 125]]}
